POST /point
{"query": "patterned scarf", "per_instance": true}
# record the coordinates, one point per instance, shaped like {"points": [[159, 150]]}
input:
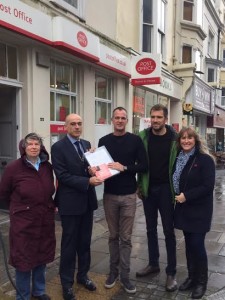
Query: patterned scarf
{"points": [[182, 160]]}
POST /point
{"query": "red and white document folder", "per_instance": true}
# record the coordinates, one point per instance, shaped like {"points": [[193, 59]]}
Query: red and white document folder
{"points": [[100, 159]]}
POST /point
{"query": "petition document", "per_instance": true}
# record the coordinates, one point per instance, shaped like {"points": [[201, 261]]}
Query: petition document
{"points": [[100, 159]]}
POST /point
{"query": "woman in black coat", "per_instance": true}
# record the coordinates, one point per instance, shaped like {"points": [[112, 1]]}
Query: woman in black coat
{"points": [[193, 180]]}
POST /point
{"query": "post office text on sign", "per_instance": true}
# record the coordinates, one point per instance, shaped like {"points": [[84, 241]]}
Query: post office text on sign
{"points": [[17, 13]]}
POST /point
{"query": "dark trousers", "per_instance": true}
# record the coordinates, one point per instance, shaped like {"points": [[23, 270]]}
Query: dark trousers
{"points": [[195, 248], [76, 240], [160, 199]]}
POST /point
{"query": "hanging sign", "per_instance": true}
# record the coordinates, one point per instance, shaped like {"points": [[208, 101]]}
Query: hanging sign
{"points": [[146, 69]]}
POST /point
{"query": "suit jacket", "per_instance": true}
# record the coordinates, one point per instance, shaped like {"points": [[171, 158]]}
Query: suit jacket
{"points": [[74, 195], [197, 182]]}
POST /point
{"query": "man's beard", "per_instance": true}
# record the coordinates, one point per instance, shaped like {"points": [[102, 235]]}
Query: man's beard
{"points": [[158, 129]]}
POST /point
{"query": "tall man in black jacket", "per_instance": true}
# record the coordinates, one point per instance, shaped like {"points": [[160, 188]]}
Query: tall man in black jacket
{"points": [[76, 200], [128, 153]]}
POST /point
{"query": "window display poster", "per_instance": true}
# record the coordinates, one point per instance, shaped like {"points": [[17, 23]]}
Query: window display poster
{"points": [[144, 123]]}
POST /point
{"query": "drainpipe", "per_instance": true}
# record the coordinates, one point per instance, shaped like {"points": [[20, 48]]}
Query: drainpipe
{"points": [[174, 29]]}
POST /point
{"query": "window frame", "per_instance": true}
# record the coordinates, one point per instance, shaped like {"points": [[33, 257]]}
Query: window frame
{"points": [[192, 3], [55, 91], [161, 28], [161, 43], [191, 54], [6, 63], [99, 119], [223, 58], [79, 11], [147, 27], [223, 97], [213, 74], [211, 41]]}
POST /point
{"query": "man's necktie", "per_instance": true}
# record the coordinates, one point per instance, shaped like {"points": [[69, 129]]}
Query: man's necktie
{"points": [[78, 146]]}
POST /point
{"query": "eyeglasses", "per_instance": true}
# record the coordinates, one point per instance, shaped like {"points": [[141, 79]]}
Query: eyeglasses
{"points": [[76, 123], [120, 118]]}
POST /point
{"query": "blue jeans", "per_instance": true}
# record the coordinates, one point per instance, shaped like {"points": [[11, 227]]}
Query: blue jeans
{"points": [[160, 199], [23, 280]]}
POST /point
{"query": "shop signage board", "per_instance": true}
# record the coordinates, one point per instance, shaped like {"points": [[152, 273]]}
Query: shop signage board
{"points": [[22, 18], [71, 37], [63, 34], [146, 69], [58, 128], [202, 96], [114, 60]]}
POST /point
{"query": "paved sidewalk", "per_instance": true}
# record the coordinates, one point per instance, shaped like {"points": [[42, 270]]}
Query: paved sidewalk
{"points": [[150, 287]]}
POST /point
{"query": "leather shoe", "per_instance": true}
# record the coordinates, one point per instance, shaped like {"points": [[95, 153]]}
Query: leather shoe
{"points": [[68, 294], [87, 283], [186, 285], [198, 291], [171, 283], [42, 297], [148, 270]]}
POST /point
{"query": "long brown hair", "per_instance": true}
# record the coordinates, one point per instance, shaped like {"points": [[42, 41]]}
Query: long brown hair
{"points": [[200, 144]]}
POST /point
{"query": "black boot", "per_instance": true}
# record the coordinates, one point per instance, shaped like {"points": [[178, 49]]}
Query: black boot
{"points": [[190, 281], [187, 284], [201, 282]]}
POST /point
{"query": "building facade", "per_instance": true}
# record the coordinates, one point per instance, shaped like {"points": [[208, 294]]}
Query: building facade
{"points": [[63, 56], [197, 59], [51, 64]]}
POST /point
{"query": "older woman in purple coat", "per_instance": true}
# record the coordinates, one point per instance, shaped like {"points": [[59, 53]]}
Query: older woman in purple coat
{"points": [[28, 186]]}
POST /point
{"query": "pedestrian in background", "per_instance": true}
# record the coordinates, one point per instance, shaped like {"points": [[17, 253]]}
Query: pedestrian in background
{"points": [[28, 186], [76, 200], [119, 199], [194, 180], [156, 191]]}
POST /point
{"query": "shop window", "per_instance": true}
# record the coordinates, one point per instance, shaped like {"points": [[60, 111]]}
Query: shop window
{"points": [[188, 6], [186, 54], [102, 112], [8, 61], [163, 100], [143, 101], [63, 96], [103, 99], [150, 100], [147, 26]]}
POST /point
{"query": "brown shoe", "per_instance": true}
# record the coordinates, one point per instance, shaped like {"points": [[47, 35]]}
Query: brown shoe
{"points": [[148, 270], [171, 283]]}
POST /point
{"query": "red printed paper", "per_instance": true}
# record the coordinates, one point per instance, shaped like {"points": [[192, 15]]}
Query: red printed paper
{"points": [[103, 172]]}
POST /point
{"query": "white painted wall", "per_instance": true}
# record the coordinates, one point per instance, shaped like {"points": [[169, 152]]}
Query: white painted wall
{"points": [[40, 103]]}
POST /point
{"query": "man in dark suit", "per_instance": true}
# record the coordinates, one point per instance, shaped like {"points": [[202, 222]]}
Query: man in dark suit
{"points": [[76, 199]]}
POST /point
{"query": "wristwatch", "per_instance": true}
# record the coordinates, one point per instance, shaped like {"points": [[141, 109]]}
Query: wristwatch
{"points": [[124, 168]]}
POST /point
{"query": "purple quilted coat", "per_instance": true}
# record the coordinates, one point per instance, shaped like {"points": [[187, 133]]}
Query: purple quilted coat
{"points": [[32, 211]]}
